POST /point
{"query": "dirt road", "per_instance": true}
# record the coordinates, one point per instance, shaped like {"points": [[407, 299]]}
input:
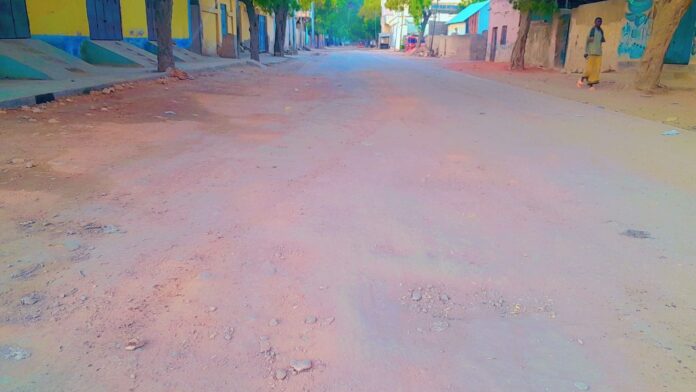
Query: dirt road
{"points": [[350, 221]]}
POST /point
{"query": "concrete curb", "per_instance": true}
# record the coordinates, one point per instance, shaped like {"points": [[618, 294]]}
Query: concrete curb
{"points": [[49, 96]]}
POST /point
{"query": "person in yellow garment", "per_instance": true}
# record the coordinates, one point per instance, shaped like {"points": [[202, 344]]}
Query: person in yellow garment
{"points": [[593, 54]]}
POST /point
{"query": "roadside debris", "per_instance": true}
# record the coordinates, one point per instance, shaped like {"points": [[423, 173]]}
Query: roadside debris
{"points": [[671, 132], [134, 344], [30, 299], [640, 234], [13, 353], [581, 386], [301, 365], [310, 320], [281, 374]]}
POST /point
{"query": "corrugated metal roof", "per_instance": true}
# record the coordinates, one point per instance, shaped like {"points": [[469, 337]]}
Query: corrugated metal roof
{"points": [[467, 12]]}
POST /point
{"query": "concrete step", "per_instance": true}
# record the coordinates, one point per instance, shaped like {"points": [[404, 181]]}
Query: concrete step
{"points": [[117, 53], [180, 54], [36, 59]]}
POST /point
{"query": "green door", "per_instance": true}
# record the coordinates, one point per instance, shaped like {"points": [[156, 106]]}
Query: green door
{"points": [[680, 48], [14, 22]]}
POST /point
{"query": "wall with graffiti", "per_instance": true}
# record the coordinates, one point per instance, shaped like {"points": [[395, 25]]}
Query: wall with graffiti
{"points": [[635, 32]]}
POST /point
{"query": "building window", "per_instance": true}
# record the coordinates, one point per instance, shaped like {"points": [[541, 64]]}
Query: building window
{"points": [[503, 35]]}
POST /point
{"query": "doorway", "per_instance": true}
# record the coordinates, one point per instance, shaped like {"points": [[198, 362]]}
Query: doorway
{"points": [[150, 12], [196, 33], [494, 43], [104, 18], [223, 20], [14, 22], [263, 37]]}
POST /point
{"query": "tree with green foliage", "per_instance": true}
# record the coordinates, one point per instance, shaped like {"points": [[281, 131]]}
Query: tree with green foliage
{"points": [[280, 10], [341, 20], [371, 10], [420, 11], [527, 8]]}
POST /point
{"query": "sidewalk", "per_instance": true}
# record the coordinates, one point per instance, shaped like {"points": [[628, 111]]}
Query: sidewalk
{"points": [[15, 93], [674, 108]]}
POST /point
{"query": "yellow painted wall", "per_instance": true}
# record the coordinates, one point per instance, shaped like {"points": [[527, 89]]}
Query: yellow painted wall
{"points": [[69, 18], [65, 17], [134, 18], [212, 24]]}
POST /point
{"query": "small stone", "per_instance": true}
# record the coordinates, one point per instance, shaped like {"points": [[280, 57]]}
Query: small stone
{"points": [[301, 365], [581, 386], [274, 322], [328, 321], [170, 113], [416, 295], [132, 376], [104, 109], [30, 299], [640, 234], [439, 325], [264, 346], [16, 161], [212, 308], [229, 334], [310, 320], [30, 164], [281, 374], [53, 121], [134, 344], [72, 245], [14, 353], [671, 119], [444, 297]]}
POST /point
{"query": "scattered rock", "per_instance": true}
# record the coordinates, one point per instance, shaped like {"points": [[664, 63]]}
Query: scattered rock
{"points": [[439, 325], [310, 320], [264, 346], [581, 386], [229, 333], [30, 164], [27, 273], [178, 74], [53, 121], [72, 245], [13, 353], [328, 321], [672, 119], [444, 297], [134, 344], [17, 161], [671, 132], [416, 295], [640, 234], [108, 90], [212, 309], [281, 374], [30, 299], [301, 365], [170, 113], [274, 322]]}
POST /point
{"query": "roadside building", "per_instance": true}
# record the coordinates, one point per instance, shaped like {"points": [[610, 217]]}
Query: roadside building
{"points": [[471, 20], [503, 26]]}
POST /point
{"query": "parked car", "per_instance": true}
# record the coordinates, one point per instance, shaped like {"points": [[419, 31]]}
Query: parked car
{"points": [[384, 40]]}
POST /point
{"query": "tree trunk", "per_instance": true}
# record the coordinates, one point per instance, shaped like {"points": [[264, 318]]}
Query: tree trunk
{"points": [[517, 57], [253, 29], [163, 26], [666, 17], [281, 16], [421, 33]]}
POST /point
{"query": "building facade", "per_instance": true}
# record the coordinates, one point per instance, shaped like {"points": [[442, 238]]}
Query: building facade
{"points": [[503, 27]]}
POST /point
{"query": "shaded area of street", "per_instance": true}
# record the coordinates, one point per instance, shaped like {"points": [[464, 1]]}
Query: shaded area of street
{"points": [[402, 226]]}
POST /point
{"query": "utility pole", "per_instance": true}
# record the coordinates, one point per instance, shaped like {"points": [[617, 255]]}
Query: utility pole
{"points": [[237, 28], [432, 33]]}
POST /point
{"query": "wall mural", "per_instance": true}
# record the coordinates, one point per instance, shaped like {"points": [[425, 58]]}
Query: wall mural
{"points": [[634, 34]]}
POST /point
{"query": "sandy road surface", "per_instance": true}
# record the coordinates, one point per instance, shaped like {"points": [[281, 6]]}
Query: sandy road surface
{"points": [[401, 226]]}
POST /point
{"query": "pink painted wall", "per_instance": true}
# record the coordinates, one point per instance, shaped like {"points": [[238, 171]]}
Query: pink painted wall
{"points": [[502, 14]]}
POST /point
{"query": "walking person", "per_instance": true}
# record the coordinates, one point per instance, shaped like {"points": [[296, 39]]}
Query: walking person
{"points": [[593, 55]]}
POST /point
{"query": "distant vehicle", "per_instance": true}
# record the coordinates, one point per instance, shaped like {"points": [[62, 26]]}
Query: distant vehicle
{"points": [[410, 42], [384, 40]]}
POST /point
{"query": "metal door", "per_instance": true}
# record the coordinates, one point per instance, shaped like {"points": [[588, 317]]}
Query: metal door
{"points": [[14, 22], [104, 19], [195, 19], [494, 42], [150, 11], [263, 38], [223, 19]]}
